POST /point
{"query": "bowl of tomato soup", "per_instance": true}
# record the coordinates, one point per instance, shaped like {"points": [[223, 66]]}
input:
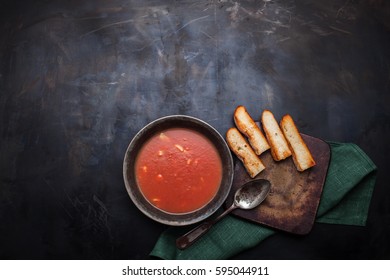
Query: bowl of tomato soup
{"points": [[178, 170]]}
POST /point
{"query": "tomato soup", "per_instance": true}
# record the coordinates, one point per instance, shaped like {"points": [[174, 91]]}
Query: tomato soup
{"points": [[178, 170]]}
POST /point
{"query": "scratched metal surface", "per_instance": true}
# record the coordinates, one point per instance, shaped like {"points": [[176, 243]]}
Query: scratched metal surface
{"points": [[79, 78]]}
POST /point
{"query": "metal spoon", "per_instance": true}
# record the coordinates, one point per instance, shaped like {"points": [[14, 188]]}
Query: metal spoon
{"points": [[248, 196]]}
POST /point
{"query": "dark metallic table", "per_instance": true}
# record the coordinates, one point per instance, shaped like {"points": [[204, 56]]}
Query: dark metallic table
{"points": [[79, 78]]}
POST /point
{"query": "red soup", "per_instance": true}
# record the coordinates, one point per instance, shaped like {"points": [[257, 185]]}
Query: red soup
{"points": [[178, 170]]}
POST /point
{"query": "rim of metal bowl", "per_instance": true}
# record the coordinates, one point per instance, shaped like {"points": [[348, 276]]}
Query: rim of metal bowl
{"points": [[151, 129]]}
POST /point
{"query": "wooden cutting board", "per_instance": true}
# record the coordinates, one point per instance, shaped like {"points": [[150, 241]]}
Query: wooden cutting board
{"points": [[294, 197]]}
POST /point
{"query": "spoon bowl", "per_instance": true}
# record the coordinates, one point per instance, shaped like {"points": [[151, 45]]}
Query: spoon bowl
{"points": [[252, 194], [248, 196]]}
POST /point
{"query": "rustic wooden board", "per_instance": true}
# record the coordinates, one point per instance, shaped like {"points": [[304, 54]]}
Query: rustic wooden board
{"points": [[293, 201]]}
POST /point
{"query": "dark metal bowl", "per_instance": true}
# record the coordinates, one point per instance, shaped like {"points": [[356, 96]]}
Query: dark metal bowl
{"points": [[162, 124]]}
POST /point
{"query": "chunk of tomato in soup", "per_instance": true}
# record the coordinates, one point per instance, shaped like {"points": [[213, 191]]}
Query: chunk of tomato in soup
{"points": [[178, 170]]}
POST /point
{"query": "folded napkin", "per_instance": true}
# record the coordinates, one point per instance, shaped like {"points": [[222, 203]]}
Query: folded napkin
{"points": [[345, 200]]}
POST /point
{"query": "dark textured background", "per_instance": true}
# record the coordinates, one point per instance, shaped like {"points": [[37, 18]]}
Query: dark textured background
{"points": [[79, 78]]}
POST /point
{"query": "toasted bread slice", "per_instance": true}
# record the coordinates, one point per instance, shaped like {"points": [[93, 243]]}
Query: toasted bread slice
{"points": [[244, 152], [249, 128], [302, 157], [275, 137]]}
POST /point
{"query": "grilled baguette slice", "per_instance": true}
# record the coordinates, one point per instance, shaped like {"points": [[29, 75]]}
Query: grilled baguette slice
{"points": [[244, 152], [302, 157], [275, 137], [249, 128]]}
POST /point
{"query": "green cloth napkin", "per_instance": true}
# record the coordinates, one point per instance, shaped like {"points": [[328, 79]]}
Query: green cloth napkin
{"points": [[345, 200]]}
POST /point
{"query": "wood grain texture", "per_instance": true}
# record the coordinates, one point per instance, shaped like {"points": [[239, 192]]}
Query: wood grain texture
{"points": [[294, 198]]}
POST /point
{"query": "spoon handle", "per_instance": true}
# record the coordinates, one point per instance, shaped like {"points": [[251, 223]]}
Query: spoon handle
{"points": [[190, 237]]}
